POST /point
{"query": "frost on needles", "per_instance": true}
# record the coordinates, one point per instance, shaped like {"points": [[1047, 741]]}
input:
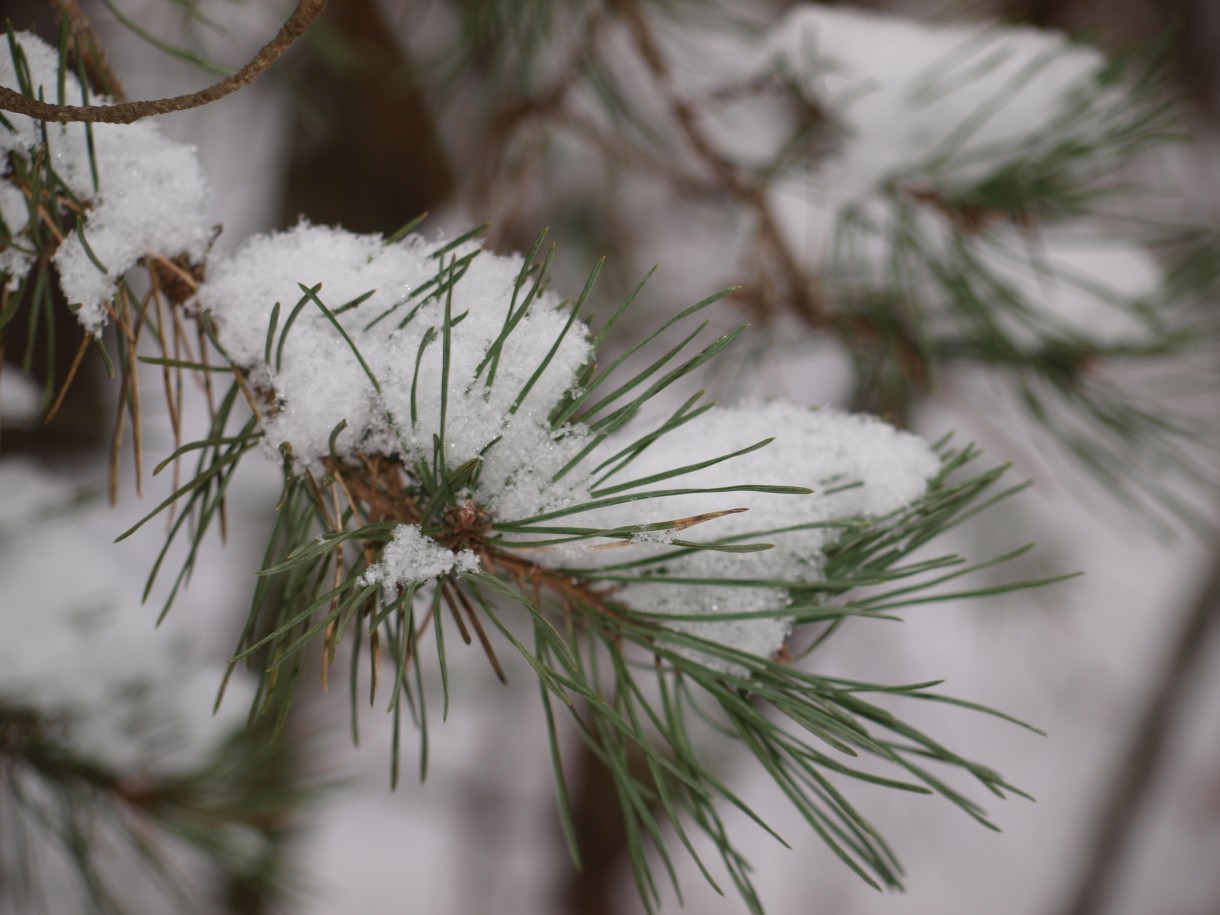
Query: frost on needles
{"points": [[459, 357]]}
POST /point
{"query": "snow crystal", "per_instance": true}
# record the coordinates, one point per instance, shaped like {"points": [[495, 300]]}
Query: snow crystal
{"points": [[412, 558], [150, 194]]}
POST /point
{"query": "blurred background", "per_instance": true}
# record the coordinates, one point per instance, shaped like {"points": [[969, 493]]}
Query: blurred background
{"points": [[623, 129]]}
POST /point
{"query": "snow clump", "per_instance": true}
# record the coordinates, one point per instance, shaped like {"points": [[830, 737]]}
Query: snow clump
{"points": [[913, 97], [381, 294], [412, 558], [859, 468], [924, 112], [149, 196], [497, 370]]}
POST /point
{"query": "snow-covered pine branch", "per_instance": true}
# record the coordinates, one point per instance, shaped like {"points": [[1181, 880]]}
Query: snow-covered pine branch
{"points": [[462, 457], [959, 209], [456, 459]]}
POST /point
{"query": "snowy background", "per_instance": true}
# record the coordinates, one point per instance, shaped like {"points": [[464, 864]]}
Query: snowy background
{"points": [[481, 835]]}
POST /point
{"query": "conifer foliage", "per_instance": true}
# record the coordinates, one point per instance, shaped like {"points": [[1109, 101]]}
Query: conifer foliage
{"points": [[466, 460]]}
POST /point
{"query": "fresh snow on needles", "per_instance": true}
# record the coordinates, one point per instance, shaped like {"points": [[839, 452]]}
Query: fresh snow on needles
{"points": [[150, 196], [378, 292]]}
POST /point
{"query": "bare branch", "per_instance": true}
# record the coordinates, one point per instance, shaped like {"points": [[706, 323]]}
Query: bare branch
{"points": [[127, 112]]}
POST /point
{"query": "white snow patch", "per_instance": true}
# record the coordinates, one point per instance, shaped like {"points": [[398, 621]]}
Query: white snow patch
{"points": [[150, 194], [20, 398], [824, 450], [913, 96], [412, 558], [15, 257]]}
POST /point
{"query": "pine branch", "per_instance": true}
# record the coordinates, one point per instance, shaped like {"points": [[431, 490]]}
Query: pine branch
{"points": [[447, 449], [953, 257], [250, 789]]}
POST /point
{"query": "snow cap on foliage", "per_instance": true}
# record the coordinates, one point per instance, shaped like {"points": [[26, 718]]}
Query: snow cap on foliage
{"points": [[858, 466], [390, 300], [150, 195], [412, 558], [929, 110], [398, 328], [908, 93]]}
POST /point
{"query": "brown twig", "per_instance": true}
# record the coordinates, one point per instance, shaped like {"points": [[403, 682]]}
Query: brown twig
{"points": [[696, 187], [551, 98], [209, 394], [457, 615], [801, 288], [377, 484], [168, 375], [72, 370], [541, 104], [480, 632], [127, 112], [137, 427]]}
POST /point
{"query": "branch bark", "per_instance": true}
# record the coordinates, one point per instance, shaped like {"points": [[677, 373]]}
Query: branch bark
{"points": [[128, 112]]}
